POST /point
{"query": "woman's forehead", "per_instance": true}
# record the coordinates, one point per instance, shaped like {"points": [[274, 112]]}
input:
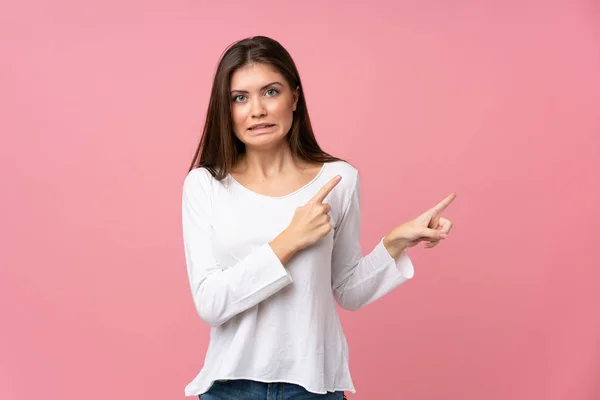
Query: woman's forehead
{"points": [[254, 77]]}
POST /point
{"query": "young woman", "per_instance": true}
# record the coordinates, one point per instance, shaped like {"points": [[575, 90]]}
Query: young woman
{"points": [[271, 227]]}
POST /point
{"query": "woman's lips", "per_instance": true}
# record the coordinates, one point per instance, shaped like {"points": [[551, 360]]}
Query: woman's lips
{"points": [[262, 128]]}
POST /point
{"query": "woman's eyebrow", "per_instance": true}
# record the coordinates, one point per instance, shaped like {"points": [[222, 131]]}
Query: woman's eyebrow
{"points": [[262, 88]]}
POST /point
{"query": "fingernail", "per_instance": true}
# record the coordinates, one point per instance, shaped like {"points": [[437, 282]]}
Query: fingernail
{"points": [[443, 236]]}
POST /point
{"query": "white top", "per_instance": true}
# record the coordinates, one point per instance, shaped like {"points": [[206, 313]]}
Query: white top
{"points": [[270, 322]]}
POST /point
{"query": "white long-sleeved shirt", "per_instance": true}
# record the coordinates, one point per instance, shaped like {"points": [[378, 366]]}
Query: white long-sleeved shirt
{"points": [[272, 322]]}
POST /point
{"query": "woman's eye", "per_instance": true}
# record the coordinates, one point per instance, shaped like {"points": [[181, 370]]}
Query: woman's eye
{"points": [[237, 98], [274, 91]]}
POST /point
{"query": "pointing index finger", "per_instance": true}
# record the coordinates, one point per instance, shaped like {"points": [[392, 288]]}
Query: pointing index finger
{"points": [[325, 190], [442, 205]]}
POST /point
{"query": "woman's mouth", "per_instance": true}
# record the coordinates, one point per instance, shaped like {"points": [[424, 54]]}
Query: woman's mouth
{"points": [[262, 127]]}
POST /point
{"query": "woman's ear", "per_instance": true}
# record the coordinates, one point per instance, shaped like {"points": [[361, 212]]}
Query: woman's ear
{"points": [[296, 97]]}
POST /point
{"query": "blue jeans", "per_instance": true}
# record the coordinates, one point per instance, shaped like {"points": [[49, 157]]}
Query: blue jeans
{"points": [[243, 389]]}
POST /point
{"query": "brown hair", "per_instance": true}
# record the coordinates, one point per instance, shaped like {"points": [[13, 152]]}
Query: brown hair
{"points": [[219, 148]]}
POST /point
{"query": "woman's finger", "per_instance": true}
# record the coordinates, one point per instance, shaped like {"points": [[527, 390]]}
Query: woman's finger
{"points": [[442, 205], [445, 225], [432, 244], [432, 234]]}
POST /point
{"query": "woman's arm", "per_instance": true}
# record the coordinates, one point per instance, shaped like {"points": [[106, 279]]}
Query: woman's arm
{"points": [[219, 294], [358, 280]]}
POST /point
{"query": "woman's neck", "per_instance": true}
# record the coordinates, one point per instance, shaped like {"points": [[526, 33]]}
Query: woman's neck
{"points": [[267, 164]]}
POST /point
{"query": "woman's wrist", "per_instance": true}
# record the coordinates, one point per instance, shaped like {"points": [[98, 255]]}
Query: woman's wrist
{"points": [[284, 247], [393, 246]]}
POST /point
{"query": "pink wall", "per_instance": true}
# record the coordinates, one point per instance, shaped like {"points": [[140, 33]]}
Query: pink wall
{"points": [[101, 109]]}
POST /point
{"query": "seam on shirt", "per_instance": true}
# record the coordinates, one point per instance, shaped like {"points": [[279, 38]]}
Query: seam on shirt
{"points": [[345, 212], [210, 196], [262, 288], [256, 292], [371, 276]]}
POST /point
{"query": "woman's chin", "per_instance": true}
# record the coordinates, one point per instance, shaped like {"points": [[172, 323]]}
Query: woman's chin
{"points": [[264, 141]]}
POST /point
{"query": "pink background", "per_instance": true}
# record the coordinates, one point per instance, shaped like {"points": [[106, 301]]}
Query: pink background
{"points": [[101, 108]]}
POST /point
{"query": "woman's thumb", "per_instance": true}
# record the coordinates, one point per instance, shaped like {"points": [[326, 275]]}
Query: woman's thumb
{"points": [[433, 234]]}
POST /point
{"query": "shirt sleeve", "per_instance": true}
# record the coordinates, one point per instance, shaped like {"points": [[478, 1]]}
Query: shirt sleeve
{"points": [[219, 294], [358, 280]]}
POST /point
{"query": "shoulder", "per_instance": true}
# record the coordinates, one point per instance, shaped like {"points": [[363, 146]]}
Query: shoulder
{"points": [[347, 190], [199, 175], [349, 173], [198, 180]]}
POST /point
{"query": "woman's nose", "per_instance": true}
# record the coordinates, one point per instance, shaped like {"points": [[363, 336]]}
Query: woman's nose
{"points": [[257, 108]]}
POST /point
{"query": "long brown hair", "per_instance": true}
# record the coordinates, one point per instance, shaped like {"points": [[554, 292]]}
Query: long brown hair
{"points": [[219, 148]]}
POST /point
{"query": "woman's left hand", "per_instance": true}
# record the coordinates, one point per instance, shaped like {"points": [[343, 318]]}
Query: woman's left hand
{"points": [[430, 227]]}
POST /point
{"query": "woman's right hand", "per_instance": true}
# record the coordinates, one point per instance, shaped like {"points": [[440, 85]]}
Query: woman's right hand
{"points": [[309, 224]]}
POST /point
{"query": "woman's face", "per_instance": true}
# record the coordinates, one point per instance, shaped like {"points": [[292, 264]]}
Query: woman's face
{"points": [[261, 95]]}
